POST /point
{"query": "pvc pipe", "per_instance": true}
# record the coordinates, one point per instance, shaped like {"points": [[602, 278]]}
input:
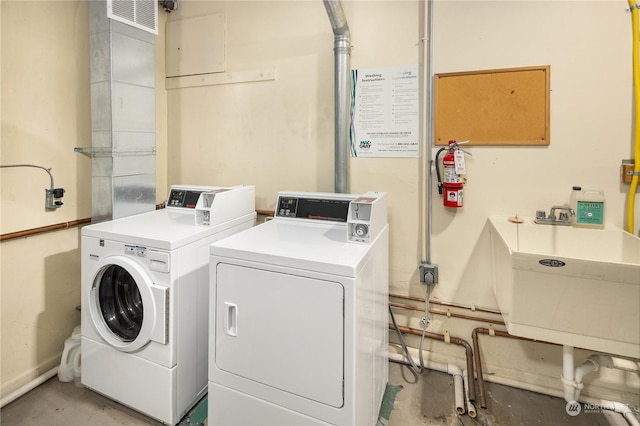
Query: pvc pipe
{"points": [[451, 369], [588, 366], [567, 362], [616, 407], [594, 362], [29, 386], [456, 341], [471, 409], [619, 363], [568, 381], [458, 386], [572, 381], [609, 361], [631, 418]]}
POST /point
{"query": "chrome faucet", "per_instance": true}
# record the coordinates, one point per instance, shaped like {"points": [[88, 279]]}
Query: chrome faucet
{"points": [[562, 219]]}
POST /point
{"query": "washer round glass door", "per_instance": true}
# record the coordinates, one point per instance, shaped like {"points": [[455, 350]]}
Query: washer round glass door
{"points": [[127, 309], [120, 303]]}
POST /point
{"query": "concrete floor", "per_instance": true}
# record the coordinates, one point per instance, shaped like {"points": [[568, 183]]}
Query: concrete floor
{"points": [[429, 400], [424, 400]]}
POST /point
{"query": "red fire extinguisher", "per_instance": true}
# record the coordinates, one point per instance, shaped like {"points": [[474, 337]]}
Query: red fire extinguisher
{"points": [[450, 185]]}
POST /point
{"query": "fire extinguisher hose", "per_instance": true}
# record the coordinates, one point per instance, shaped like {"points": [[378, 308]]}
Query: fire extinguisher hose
{"points": [[439, 176]]}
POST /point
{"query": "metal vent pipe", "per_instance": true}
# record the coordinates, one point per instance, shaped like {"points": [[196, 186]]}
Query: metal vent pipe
{"points": [[342, 92]]}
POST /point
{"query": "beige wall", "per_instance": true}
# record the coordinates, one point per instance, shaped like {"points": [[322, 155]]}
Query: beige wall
{"points": [[45, 114], [589, 51], [278, 135]]}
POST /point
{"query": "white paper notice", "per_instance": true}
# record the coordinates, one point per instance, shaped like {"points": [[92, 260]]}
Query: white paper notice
{"points": [[384, 119]]}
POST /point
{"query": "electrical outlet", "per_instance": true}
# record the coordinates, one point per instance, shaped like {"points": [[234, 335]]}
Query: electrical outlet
{"points": [[626, 171], [428, 273]]}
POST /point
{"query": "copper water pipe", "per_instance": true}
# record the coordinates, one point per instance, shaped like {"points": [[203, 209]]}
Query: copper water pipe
{"points": [[78, 222], [55, 227], [438, 302], [455, 341], [476, 355], [43, 229], [448, 314]]}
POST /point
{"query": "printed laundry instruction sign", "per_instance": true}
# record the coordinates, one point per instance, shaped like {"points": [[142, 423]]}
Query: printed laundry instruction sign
{"points": [[384, 112]]}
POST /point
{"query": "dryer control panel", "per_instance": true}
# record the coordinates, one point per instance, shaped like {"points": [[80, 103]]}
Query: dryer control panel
{"points": [[314, 207], [367, 217]]}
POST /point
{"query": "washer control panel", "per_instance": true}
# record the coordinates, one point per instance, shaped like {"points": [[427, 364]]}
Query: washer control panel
{"points": [[134, 250], [183, 198]]}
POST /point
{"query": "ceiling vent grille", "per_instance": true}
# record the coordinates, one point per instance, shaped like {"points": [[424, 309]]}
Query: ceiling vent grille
{"points": [[142, 14]]}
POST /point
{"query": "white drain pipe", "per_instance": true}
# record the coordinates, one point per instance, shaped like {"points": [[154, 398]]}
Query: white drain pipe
{"points": [[471, 409], [568, 379], [454, 371], [29, 386], [572, 380], [616, 407]]}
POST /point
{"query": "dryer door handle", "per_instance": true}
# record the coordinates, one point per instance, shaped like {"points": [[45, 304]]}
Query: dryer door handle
{"points": [[230, 319]]}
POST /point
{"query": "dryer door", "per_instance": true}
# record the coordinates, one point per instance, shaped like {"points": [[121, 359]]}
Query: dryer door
{"points": [[126, 308], [294, 324]]}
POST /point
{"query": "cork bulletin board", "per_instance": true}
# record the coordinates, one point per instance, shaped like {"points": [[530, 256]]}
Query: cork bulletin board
{"points": [[493, 107]]}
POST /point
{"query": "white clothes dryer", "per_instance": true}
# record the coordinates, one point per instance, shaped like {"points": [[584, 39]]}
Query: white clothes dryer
{"points": [[145, 282], [299, 320]]}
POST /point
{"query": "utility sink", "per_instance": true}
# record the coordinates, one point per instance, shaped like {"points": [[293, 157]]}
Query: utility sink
{"points": [[571, 286]]}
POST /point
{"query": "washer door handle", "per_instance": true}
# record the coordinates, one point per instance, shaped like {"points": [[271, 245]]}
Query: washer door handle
{"points": [[160, 332], [230, 319]]}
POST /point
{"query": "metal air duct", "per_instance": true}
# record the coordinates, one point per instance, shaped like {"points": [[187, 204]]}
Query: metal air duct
{"points": [[122, 60]]}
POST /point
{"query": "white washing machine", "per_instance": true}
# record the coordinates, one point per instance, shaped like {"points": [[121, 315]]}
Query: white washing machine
{"points": [[299, 331], [145, 294]]}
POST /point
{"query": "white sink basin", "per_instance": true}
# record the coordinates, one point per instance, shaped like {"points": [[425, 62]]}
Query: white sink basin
{"points": [[571, 286]]}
